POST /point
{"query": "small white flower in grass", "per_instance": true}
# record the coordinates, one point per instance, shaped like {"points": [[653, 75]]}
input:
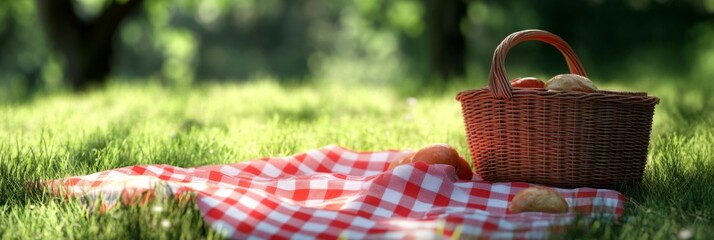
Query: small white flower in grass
{"points": [[157, 208], [685, 233], [408, 117], [32, 206], [165, 223], [117, 215], [412, 101]]}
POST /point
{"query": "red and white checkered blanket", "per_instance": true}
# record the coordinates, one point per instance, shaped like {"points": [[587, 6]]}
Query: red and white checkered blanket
{"points": [[333, 192]]}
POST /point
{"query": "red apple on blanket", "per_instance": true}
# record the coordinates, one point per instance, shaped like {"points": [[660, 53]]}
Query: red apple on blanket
{"points": [[439, 154], [527, 82]]}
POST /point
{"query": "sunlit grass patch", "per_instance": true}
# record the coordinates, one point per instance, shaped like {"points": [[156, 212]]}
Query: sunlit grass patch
{"points": [[128, 124]]}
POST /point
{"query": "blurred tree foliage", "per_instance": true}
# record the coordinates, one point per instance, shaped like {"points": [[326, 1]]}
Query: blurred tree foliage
{"points": [[613, 38], [367, 41]]}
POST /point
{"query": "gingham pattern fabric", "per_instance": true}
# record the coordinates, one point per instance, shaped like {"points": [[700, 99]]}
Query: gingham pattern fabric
{"points": [[333, 193]]}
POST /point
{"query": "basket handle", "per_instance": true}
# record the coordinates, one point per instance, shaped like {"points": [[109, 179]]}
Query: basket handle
{"points": [[498, 81]]}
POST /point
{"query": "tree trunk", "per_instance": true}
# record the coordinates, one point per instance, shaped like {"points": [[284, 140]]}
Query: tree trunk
{"points": [[85, 47], [447, 44]]}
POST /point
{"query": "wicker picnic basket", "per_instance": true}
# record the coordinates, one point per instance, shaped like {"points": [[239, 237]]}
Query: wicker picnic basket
{"points": [[562, 139]]}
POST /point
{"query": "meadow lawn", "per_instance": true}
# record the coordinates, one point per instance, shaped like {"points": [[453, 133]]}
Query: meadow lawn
{"points": [[60, 135]]}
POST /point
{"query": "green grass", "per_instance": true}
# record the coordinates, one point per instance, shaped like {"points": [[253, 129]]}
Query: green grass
{"points": [[64, 135]]}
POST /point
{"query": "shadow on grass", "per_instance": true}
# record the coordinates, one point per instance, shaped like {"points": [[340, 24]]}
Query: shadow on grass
{"points": [[102, 149]]}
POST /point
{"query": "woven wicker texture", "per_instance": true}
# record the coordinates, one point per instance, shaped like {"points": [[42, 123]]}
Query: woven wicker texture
{"points": [[563, 139]]}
